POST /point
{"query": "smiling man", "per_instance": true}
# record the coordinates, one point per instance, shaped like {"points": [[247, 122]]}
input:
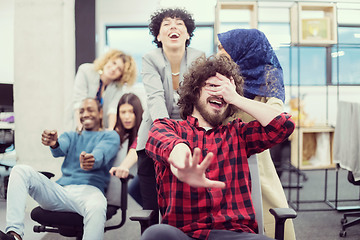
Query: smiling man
{"points": [[85, 175], [203, 177]]}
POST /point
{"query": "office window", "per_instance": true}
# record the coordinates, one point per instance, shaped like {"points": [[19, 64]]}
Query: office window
{"points": [[308, 66], [203, 39], [136, 41], [345, 57], [278, 35]]}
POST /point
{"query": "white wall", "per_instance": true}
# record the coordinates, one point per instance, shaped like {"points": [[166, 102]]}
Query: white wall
{"points": [[112, 12], [44, 54], [7, 41]]}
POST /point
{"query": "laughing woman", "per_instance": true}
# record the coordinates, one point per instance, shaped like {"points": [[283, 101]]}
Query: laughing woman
{"points": [[162, 72], [104, 80]]}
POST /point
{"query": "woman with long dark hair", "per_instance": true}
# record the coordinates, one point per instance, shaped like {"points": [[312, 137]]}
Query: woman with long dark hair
{"points": [[128, 119]]}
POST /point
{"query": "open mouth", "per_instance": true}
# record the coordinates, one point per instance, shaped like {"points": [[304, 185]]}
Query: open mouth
{"points": [[174, 35], [216, 102], [87, 121]]}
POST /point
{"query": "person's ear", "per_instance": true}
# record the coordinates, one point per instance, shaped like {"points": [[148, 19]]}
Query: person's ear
{"points": [[158, 38]]}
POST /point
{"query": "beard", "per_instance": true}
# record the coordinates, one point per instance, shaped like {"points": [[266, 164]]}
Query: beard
{"points": [[213, 119]]}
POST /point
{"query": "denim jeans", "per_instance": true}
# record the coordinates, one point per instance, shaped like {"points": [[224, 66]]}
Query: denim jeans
{"points": [[86, 200]]}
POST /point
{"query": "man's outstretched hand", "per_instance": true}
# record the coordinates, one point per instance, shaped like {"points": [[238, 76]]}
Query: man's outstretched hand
{"points": [[188, 170], [49, 138]]}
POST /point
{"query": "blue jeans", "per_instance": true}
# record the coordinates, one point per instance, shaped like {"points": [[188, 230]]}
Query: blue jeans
{"points": [[86, 200]]}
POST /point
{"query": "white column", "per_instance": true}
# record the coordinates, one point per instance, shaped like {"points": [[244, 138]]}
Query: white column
{"points": [[44, 69]]}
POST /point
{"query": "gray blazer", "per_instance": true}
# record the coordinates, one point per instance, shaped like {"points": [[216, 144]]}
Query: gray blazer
{"points": [[157, 80]]}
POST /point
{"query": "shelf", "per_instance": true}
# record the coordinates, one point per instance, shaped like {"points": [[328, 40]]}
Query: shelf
{"points": [[320, 30], [303, 141], [251, 7]]}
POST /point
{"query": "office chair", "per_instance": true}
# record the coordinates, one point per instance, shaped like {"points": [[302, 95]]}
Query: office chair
{"points": [[70, 224], [280, 214], [344, 221], [346, 150]]}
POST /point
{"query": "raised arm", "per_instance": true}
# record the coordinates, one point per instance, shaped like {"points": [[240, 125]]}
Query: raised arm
{"points": [[122, 171], [223, 87]]}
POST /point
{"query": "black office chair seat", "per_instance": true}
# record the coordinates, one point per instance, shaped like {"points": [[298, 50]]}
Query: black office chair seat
{"points": [[70, 224], [67, 223]]}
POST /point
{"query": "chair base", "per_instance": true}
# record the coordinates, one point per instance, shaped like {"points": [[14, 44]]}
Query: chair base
{"points": [[345, 224]]}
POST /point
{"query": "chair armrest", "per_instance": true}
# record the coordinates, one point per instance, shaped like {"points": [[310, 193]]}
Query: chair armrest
{"points": [[143, 217], [124, 192], [125, 180], [281, 215], [124, 202]]}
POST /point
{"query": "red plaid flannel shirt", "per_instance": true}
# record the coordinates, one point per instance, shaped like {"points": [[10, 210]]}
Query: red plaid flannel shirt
{"points": [[198, 210]]}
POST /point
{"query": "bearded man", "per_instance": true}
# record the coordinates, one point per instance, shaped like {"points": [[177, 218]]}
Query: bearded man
{"points": [[202, 170]]}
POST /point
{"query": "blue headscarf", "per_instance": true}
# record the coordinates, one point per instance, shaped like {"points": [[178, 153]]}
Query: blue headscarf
{"points": [[252, 52]]}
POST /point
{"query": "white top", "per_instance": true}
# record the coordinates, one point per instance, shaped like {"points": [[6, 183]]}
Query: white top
{"points": [[175, 114]]}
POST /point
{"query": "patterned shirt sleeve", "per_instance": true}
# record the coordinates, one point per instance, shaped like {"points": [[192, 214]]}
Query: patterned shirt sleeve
{"points": [[258, 138], [163, 136]]}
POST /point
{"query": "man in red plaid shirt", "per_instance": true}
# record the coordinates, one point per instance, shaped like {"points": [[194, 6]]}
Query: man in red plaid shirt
{"points": [[203, 178]]}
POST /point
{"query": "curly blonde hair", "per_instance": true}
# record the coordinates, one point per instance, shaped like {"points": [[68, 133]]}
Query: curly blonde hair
{"points": [[129, 74]]}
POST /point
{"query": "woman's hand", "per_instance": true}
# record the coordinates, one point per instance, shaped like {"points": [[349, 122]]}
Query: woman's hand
{"points": [[119, 172]]}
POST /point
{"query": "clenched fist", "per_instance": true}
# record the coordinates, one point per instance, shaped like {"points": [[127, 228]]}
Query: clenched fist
{"points": [[87, 161], [49, 138]]}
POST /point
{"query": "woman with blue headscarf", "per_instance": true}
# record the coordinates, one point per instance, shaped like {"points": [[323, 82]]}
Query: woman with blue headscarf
{"points": [[263, 74]]}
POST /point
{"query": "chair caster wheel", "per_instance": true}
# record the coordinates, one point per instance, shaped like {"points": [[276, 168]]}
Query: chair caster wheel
{"points": [[342, 233], [343, 221]]}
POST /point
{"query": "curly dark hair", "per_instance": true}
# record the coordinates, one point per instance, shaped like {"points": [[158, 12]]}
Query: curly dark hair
{"points": [[201, 70], [157, 17]]}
